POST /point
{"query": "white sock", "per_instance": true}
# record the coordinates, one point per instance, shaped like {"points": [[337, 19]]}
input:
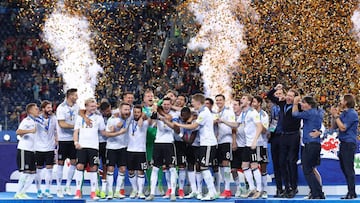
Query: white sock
{"points": [[216, 181], [249, 177], [48, 178], [167, 178], [227, 178], [192, 180], [29, 180], [182, 178], [237, 182], [93, 181], [110, 181], [209, 180], [133, 182], [264, 182], [70, 175], [199, 181], [153, 179], [257, 177], [22, 181], [103, 185], [79, 175], [38, 179], [59, 174], [173, 180], [120, 181], [141, 183]]}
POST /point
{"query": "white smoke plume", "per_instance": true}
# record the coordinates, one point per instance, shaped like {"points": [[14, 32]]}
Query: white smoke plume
{"points": [[69, 37], [221, 38]]}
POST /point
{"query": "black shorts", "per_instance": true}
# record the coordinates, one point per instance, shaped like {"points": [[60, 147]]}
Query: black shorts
{"points": [[264, 155], [25, 160], [66, 149], [192, 154], [102, 152], [164, 154], [116, 157], [136, 161], [181, 148], [237, 158], [88, 156], [46, 158], [207, 155], [251, 155], [215, 161], [224, 152]]}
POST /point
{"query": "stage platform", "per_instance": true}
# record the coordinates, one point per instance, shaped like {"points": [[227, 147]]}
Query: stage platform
{"points": [[8, 197]]}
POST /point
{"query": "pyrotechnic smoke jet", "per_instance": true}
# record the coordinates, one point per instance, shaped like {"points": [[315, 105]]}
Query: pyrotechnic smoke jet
{"points": [[69, 37], [221, 38]]}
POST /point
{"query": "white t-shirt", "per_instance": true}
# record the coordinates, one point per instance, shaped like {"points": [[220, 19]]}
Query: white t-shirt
{"points": [[68, 114], [249, 118], [240, 134], [45, 134], [265, 120], [137, 136], [26, 141], [120, 141], [164, 133], [103, 138], [89, 136], [224, 131], [206, 127]]}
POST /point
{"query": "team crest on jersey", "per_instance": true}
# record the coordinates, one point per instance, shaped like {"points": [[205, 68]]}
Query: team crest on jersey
{"points": [[200, 119]]}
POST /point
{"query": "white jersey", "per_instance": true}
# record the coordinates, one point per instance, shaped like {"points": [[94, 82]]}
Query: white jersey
{"points": [[224, 131], [68, 114], [45, 134], [265, 120], [249, 118], [120, 141], [88, 136], [137, 136], [26, 141], [103, 138], [206, 127], [240, 134], [164, 133], [178, 137]]}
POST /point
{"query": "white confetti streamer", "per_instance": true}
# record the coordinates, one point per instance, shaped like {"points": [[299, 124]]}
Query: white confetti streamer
{"points": [[69, 37]]}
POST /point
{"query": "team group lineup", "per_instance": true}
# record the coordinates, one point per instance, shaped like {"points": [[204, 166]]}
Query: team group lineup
{"points": [[182, 140]]}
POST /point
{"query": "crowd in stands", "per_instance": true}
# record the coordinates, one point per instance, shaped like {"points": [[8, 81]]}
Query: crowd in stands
{"points": [[28, 73], [132, 49]]}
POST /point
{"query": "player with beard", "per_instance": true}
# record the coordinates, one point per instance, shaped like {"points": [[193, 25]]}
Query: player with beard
{"points": [[181, 150], [66, 114], [25, 157], [250, 118], [225, 138], [164, 149], [263, 143], [208, 142], [136, 161], [86, 141], [116, 150], [45, 147], [238, 151], [105, 111], [191, 150]]}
